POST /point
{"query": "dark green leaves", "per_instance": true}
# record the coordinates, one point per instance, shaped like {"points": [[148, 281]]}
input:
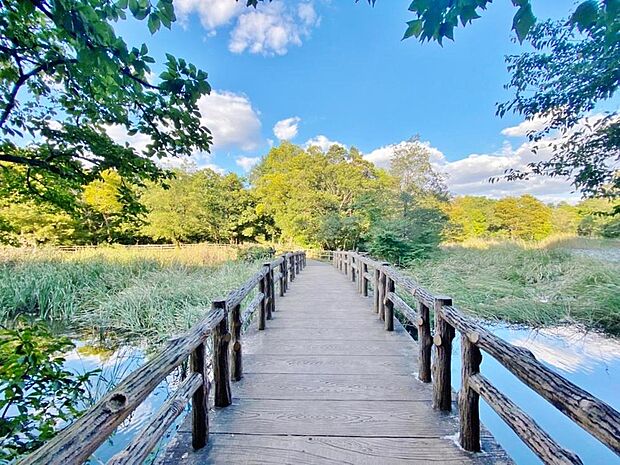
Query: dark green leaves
{"points": [[99, 83], [414, 28], [37, 395], [586, 15], [523, 21]]}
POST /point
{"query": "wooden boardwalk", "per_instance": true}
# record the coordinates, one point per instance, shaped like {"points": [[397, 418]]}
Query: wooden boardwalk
{"points": [[326, 384]]}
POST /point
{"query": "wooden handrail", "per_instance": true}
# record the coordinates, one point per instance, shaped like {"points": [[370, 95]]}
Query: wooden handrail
{"points": [[224, 323], [591, 413]]}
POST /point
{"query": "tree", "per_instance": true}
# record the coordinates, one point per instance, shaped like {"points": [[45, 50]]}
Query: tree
{"points": [[414, 236], [564, 219], [55, 109], [522, 217], [436, 20], [572, 68], [29, 224], [417, 179], [202, 206], [320, 199], [569, 72], [111, 209], [596, 219], [470, 217]]}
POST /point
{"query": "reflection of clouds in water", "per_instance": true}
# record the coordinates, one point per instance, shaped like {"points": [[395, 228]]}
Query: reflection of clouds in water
{"points": [[569, 348], [115, 366]]}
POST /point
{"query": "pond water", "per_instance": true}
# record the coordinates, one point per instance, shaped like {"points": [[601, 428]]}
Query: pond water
{"points": [[589, 360], [115, 365]]}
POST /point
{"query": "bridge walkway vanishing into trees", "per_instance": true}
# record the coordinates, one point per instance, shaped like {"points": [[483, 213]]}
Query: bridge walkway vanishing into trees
{"points": [[329, 375]]}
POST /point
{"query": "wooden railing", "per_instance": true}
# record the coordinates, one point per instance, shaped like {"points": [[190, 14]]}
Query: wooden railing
{"points": [[390, 286], [321, 255], [223, 326]]}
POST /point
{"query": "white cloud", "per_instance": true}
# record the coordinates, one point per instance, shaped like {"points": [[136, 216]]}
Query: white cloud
{"points": [[287, 128], [322, 142], [383, 155], [212, 13], [272, 28], [269, 29], [119, 135], [247, 163], [232, 120], [470, 175], [526, 127]]}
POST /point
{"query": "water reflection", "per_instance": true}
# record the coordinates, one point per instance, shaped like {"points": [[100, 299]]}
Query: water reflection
{"points": [[115, 365], [570, 349], [589, 360]]}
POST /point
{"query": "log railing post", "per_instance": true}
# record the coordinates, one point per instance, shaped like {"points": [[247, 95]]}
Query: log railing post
{"points": [[360, 274], [235, 330], [263, 288], [382, 284], [353, 268], [390, 286], [283, 276], [469, 399], [200, 400], [221, 367], [444, 333], [292, 266], [425, 343], [364, 280], [347, 258], [269, 295], [376, 285]]}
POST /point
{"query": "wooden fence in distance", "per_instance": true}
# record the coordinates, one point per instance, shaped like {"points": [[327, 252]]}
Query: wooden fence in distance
{"points": [[389, 284], [222, 326]]}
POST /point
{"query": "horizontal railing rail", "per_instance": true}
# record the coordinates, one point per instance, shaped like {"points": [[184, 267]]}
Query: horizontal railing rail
{"points": [[223, 327], [391, 289]]}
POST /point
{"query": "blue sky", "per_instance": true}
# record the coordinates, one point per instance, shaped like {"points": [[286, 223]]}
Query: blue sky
{"points": [[337, 71]]}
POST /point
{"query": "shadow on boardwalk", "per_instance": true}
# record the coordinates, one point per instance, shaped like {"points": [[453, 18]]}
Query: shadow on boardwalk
{"points": [[326, 384]]}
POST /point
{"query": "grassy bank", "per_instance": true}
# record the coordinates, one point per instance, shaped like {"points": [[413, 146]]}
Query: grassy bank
{"points": [[133, 293], [556, 282]]}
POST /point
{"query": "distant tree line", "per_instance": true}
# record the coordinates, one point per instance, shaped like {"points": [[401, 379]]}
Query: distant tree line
{"points": [[334, 200]]}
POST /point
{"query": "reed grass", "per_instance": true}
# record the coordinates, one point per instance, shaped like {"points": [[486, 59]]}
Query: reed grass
{"points": [[534, 285], [132, 293]]}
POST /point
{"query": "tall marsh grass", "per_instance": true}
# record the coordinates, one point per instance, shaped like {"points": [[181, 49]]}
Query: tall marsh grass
{"points": [[129, 292], [535, 285]]}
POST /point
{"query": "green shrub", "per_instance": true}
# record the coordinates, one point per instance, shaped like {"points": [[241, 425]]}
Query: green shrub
{"points": [[37, 395], [255, 253]]}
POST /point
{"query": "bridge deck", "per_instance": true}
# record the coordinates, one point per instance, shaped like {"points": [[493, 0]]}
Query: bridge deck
{"points": [[324, 383]]}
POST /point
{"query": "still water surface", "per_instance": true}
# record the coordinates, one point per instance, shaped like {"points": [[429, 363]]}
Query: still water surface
{"points": [[589, 360]]}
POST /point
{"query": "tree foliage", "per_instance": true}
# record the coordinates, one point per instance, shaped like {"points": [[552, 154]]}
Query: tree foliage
{"points": [[573, 67], [526, 218], [203, 206], [37, 395], [325, 199], [54, 110]]}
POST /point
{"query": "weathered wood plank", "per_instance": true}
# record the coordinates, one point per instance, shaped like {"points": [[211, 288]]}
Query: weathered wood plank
{"points": [[300, 386], [345, 392], [332, 333], [333, 418], [328, 348], [319, 364], [592, 414], [319, 450]]}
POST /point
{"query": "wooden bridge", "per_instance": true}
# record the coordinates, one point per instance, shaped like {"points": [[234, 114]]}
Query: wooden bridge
{"points": [[329, 375]]}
